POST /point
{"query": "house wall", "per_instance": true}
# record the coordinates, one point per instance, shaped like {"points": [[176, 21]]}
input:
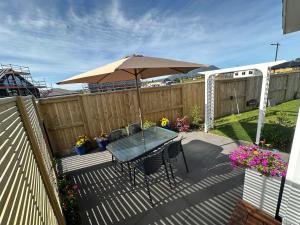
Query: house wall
{"points": [[66, 118]]}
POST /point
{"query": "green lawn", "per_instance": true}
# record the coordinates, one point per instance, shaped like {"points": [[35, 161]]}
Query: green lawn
{"points": [[243, 126]]}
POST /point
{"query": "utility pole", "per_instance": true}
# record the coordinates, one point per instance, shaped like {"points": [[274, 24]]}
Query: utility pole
{"points": [[277, 45]]}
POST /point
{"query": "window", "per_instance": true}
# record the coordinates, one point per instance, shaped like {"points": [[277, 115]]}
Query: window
{"points": [[250, 72], [243, 73], [236, 74]]}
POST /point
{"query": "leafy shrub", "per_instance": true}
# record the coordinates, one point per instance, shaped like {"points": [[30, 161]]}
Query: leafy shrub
{"points": [[68, 196], [148, 124], [280, 133], [196, 117]]}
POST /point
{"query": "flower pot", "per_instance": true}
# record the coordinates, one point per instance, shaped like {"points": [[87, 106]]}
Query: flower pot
{"points": [[168, 126], [101, 143], [80, 150], [261, 191]]}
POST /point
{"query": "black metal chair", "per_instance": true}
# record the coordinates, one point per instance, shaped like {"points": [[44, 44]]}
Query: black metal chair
{"points": [[171, 151], [149, 165], [134, 128], [114, 136]]}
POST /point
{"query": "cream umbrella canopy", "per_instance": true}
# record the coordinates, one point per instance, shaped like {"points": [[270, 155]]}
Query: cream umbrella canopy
{"points": [[134, 67]]}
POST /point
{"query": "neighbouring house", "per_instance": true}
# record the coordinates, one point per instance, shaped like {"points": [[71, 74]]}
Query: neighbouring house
{"points": [[287, 67], [57, 92], [17, 81], [242, 71], [112, 86]]}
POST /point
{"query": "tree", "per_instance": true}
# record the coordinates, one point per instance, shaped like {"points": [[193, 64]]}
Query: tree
{"points": [[297, 60]]}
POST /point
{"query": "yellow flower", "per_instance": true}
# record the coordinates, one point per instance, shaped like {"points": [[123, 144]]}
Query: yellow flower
{"points": [[255, 152], [164, 122]]}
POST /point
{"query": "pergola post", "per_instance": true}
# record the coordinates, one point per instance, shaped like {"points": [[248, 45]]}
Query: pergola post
{"points": [[263, 102], [209, 101]]}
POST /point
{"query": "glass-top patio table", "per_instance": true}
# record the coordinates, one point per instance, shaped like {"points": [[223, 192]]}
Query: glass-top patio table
{"points": [[136, 145]]}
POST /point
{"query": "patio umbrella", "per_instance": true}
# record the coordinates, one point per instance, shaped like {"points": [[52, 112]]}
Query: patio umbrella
{"points": [[134, 67]]}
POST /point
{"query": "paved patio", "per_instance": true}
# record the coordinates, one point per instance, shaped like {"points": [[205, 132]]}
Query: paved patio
{"points": [[206, 195]]}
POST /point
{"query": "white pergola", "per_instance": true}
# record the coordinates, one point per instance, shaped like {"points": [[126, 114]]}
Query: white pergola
{"points": [[264, 68]]}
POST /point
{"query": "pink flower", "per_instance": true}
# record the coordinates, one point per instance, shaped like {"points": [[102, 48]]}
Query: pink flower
{"points": [[75, 187], [264, 162]]}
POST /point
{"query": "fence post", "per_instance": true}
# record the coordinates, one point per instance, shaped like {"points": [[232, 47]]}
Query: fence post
{"points": [[84, 117], [39, 160], [38, 114]]}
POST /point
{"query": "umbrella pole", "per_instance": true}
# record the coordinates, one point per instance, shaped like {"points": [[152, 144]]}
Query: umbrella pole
{"points": [[139, 98]]}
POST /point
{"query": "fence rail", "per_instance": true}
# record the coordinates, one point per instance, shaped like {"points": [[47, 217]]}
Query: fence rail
{"points": [[67, 117], [28, 195]]}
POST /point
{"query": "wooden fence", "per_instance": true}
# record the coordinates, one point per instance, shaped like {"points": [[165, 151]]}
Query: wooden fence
{"points": [[27, 179], [67, 117]]}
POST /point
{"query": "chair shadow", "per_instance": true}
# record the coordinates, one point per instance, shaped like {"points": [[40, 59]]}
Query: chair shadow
{"points": [[206, 195]]}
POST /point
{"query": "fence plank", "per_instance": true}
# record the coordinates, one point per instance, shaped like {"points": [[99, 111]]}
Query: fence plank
{"points": [[67, 117], [39, 160]]}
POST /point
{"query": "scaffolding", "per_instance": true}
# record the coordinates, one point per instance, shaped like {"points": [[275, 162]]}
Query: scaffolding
{"points": [[17, 80]]}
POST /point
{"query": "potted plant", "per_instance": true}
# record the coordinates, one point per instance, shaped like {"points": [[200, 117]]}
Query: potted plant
{"points": [[165, 123], [102, 141], [264, 170], [81, 145], [182, 124], [69, 201]]}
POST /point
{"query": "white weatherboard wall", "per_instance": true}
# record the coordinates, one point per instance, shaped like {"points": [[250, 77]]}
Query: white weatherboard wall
{"points": [[290, 207]]}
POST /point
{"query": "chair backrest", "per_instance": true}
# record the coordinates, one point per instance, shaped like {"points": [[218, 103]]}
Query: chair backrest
{"points": [[134, 128], [173, 149], [153, 162], [115, 135]]}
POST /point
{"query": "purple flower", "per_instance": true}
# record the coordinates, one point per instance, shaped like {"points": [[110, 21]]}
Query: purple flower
{"points": [[264, 162]]}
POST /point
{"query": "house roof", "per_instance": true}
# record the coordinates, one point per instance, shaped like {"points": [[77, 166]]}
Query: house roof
{"points": [[289, 64]]}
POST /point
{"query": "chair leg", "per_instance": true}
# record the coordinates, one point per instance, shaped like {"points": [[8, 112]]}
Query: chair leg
{"points": [[148, 189], [186, 166], [115, 164], [134, 176], [129, 172], [167, 175], [172, 173]]}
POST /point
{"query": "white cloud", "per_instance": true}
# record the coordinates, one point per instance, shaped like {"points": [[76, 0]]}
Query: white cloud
{"points": [[58, 45]]}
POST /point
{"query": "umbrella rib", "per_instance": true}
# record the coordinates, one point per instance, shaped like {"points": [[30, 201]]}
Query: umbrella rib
{"points": [[177, 70], [127, 72], [103, 78], [133, 73]]}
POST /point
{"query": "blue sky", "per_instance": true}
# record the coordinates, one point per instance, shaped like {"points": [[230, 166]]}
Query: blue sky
{"points": [[58, 39]]}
